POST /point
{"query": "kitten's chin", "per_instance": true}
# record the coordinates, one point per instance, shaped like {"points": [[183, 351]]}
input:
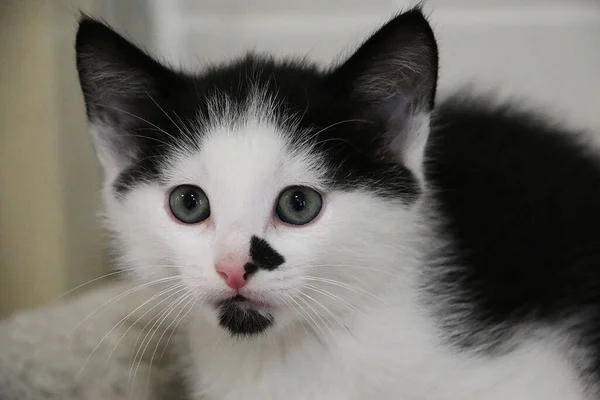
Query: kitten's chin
{"points": [[242, 317]]}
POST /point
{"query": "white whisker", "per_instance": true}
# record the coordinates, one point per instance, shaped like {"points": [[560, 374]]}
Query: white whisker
{"points": [[119, 323], [163, 111], [347, 266], [156, 319], [310, 319], [154, 328], [120, 296], [327, 310], [110, 274], [137, 117], [290, 305], [182, 318], [331, 296], [317, 314], [344, 285]]}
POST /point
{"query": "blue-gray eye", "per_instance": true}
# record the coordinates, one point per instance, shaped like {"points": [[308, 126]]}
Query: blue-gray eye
{"points": [[189, 204], [298, 205]]}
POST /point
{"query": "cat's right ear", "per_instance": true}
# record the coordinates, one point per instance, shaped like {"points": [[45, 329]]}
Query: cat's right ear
{"points": [[123, 89], [393, 78]]}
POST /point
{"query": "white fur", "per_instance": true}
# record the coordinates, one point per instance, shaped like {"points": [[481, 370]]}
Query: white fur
{"points": [[358, 331], [83, 348]]}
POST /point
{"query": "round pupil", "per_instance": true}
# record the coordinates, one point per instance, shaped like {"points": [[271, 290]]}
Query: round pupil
{"points": [[297, 201], [190, 200]]}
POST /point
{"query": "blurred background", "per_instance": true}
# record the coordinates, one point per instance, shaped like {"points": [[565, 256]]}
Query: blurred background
{"points": [[546, 51]]}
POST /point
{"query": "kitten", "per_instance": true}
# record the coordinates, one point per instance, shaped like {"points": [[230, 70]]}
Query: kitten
{"points": [[340, 235]]}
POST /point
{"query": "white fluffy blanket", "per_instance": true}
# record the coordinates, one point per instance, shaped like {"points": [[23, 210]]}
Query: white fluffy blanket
{"points": [[77, 349]]}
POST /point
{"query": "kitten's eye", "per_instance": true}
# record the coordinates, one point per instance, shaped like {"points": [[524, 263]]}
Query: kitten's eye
{"points": [[189, 204], [298, 205]]}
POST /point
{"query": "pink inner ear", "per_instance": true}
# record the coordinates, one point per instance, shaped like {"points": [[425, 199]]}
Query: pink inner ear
{"points": [[407, 144]]}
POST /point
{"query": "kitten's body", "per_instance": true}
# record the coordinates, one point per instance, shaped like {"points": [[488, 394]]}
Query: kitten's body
{"points": [[356, 366], [433, 339], [453, 264]]}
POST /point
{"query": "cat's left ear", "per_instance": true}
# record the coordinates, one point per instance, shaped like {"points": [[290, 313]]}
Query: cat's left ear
{"points": [[393, 76]]}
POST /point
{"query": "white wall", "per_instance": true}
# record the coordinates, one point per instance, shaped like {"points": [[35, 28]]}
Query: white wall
{"points": [[544, 50]]}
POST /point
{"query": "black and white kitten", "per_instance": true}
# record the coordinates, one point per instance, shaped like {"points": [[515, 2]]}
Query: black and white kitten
{"points": [[337, 235]]}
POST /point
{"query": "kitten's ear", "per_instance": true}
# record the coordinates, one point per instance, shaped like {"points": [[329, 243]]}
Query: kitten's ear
{"points": [[393, 76], [123, 88]]}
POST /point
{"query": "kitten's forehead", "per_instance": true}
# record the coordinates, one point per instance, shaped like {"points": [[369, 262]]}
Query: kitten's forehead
{"points": [[249, 151], [267, 133]]}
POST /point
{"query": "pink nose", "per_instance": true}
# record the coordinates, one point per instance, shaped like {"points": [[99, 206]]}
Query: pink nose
{"points": [[233, 275]]}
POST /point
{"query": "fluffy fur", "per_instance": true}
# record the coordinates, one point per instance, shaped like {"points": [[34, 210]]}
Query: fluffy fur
{"points": [[93, 346], [455, 255]]}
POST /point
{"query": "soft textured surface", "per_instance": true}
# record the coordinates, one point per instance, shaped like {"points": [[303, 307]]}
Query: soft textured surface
{"points": [[61, 351]]}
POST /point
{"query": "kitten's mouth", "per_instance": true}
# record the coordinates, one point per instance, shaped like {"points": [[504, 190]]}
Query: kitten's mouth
{"points": [[244, 317], [244, 302]]}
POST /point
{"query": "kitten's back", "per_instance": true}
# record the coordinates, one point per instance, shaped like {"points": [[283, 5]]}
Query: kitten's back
{"points": [[521, 198]]}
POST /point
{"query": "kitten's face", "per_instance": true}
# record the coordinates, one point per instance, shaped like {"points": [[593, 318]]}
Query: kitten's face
{"points": [[264, 200], [342, 248]]}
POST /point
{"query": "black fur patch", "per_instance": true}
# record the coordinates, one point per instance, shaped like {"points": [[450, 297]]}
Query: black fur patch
{"points": [[152, 106], [263, 255], [240, 320], [519, 200], [249, 269]]}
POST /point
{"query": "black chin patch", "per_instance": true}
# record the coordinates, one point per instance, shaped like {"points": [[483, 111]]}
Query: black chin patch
{"points": [[242, 321]]}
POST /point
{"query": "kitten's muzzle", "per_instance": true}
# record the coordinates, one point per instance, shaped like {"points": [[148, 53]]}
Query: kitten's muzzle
{"points": [[235, 274]]}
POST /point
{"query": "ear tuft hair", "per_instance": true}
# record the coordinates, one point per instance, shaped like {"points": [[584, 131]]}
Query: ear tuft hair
{"points": [[393, 75], [123, 88]]}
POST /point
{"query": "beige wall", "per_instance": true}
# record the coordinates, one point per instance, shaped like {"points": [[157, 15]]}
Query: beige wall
{"points": [[49, 240]]}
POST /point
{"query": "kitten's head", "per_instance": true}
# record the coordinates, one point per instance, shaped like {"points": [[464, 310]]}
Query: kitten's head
{"points": [[264, 193]]}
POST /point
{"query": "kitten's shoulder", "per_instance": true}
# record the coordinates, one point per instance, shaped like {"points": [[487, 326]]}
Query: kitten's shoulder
{"points": [[479, 132], [518, 195]]}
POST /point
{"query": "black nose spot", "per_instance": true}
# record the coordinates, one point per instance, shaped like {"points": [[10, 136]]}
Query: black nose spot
{"points": [[263, 255], [249, 270]]}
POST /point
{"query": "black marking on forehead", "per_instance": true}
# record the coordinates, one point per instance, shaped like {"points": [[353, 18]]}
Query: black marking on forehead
{"points": [[263, 255], [176, 121], [348, 144], [170, 123], [149, 109], [145, 170]]}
